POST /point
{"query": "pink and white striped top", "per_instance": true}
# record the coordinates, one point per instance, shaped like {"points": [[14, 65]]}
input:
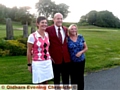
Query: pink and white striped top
{"points": [[40, 46]]}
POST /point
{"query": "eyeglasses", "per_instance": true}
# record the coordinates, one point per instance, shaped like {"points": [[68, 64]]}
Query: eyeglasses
{"points": [[45, 51]]}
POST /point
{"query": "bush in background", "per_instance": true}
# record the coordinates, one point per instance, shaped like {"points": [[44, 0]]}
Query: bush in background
{"points": [[4, 52], [12, 47], [23, 41], [16, 48]]}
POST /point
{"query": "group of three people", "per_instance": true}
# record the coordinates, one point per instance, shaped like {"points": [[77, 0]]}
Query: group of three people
{"points": [[55, 51]]}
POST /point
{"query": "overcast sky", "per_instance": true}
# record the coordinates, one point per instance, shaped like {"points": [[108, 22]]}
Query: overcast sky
{"points": [[77, 8]]}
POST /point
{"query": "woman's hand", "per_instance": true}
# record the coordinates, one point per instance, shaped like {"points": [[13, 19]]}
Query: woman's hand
{"points": [[30, 69], [83, 51], [79, 54]]}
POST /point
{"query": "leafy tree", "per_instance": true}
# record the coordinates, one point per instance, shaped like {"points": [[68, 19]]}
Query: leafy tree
{"points": [[48, 8], [83, 21], [2, 13], [91, 17], [45, 7], [101, 18], [11, 12], [106, 19], [23, 15], [61, 8], [16, 14]]}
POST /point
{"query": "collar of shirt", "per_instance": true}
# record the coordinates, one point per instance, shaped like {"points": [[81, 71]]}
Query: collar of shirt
{"points": [[38, 35], [56, 27]]}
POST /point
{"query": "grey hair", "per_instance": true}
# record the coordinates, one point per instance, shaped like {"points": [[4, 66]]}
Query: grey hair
{"points": [[71, 27], [57, 14]]}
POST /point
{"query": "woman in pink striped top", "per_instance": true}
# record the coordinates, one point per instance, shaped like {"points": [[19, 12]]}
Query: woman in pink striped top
{"points": [[38, 51]]}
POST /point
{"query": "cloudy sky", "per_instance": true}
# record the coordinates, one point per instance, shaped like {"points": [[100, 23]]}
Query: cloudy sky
{"points": [[77, 8]]}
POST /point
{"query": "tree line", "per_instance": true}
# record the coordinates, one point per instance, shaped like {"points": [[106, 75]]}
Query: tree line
{"points": [[101, 19], [48, 8], [45, 8], [16, 14]]}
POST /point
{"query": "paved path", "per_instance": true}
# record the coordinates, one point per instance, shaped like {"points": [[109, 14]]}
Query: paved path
{"points": [[103, 80]]}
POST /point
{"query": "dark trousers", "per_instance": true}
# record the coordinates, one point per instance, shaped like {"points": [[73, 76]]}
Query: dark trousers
{"points": [[77, 74], [62, 70]]}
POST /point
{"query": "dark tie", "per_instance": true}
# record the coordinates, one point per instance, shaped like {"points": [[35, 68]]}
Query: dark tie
{"points": [[59, 35]]}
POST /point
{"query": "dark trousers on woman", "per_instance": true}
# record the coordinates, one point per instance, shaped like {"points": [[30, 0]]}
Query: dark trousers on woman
{"points": [[77, 74], [63, 71]]}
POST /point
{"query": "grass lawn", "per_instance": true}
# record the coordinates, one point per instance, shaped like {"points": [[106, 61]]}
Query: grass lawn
{"points": [[103, 52], [16, 30], [103, 48], [13, 70]]}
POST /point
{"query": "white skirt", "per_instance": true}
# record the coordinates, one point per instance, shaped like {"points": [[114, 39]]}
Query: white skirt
{"points": [[42, 71]]}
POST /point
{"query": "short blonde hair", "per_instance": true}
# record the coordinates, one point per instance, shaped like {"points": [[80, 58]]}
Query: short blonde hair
{"points": [[71, 27]]}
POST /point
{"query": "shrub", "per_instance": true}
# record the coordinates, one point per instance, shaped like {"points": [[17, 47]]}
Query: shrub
{"points": [[4, 52], [13, 47], [23, 40], [3, 44], [16, 48]]}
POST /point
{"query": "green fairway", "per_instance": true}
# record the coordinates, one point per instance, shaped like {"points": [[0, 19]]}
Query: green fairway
{"points": [[103, 48], [17, 30], [14, 70], [103, 52]]}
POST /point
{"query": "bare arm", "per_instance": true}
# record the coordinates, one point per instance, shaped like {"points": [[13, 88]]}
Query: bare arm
{"points": [[85, 48], [29, 54], [83, 51]]}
